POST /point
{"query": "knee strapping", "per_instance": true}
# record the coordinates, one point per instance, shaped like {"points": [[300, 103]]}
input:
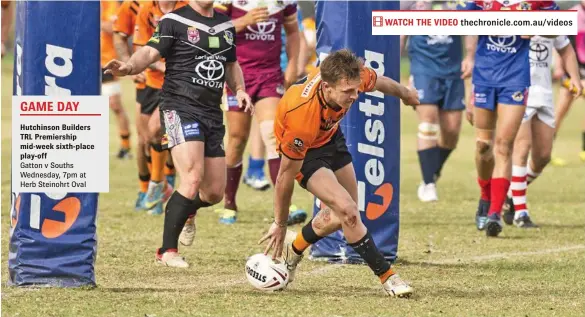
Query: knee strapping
{"points": [[428, 131], [267, 132]]}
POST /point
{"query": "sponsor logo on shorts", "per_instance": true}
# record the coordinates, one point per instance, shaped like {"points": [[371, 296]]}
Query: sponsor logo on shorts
{"points": [[480, 97], [191, 129], [518, 96], [193, 34], [421, 93]]}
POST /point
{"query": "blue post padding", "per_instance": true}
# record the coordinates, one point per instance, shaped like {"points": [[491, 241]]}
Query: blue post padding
{"points": [[57, 52], [371, 128]]}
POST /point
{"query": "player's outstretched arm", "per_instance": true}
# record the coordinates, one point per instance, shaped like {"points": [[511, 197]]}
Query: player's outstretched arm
{"points": [[390, 87], [469, 60], [403, 39], [137, 63], [293, 45]]}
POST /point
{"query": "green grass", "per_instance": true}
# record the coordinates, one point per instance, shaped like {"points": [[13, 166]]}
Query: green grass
{"points": [[456, 270]]}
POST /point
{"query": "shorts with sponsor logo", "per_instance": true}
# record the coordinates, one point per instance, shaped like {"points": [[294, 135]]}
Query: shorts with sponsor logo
{"points": [[258, 87], [334, 155], [151, 98], [447, 94], [488, 98], [544, 113], [181, 125]]}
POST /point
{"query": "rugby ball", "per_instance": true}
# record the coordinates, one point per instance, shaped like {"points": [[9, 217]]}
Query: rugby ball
{"points": [[265, 274]]}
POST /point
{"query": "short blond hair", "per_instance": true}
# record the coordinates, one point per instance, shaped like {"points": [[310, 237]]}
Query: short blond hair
{"points": [[342, 64]]}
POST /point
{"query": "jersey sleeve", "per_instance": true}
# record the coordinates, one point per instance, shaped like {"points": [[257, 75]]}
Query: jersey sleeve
{"points": [[143, 29], [561, 42], [296, 136], [223, 7], [290, 9], [126, 18], [163, 37], [368, 79], [109, 11], [467, 5], [231, 53]]}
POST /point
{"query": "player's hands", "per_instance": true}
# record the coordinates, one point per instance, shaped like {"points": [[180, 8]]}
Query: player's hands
{"points": [[558, 72], [258, 14], [244, 101], [139, 79], [290, 76], [469, 113], [467, 67], [410, 97], [575, 87], [275, 235], [118, 68]]}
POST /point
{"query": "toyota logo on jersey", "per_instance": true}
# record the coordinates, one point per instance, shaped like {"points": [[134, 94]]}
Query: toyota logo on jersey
{"points": [[210, 73], [263, 31], [503, 44], [538, 54]]}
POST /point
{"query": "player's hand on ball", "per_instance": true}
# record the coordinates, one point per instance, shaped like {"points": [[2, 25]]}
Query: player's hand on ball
{"points": [[410, 97], [118, 68], [275, 237], [245, 102]]}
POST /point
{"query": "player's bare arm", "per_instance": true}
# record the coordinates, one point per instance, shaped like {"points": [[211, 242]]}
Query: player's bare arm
{"points": [[403, 39], [137, 63], [390, 87], [121, 46], [258, 14], [235, 81], [569, 59], [469, 60], [7, 16], [293, 43], [283, 190]]}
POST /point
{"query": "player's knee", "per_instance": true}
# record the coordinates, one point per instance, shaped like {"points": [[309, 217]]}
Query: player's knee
{"points": [[484, 148], [540, 160], [428, 131], [237, 142], [191, 182], [450, 139], [349, 215], [213, 196], [267, 132], [504, 147]]}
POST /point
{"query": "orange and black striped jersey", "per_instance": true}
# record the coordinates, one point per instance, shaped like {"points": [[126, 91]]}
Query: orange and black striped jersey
{"points": [[303, 121], [109, 10], [126, 21], [146, 22]]}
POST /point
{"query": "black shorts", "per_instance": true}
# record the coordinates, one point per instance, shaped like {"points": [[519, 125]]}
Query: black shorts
{"points": [[140, 96], [107, 78], [181, 125], [334, 155], [150, 100]]}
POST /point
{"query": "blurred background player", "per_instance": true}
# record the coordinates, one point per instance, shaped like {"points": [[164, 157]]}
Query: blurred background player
{"points": [[501, 78], [123, 30], [536, 134], [435, 68], [565, 95], [110, 85], [160, 187], [258, 28], [7, 17]]}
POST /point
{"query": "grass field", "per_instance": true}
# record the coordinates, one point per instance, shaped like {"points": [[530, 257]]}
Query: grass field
{"points": [[455, 270]]}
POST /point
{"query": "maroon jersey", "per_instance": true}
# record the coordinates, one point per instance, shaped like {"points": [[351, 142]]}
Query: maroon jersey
{"points": [[259, 45]]}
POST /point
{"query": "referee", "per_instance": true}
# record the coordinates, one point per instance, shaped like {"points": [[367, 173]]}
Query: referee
{"points": [[200, 52]]}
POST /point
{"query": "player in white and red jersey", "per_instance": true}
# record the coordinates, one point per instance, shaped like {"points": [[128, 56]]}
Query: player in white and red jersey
{"points": [[535, 136]]}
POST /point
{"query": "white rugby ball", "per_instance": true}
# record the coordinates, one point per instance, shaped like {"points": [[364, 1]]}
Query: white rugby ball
{"points": [[266, 275]]}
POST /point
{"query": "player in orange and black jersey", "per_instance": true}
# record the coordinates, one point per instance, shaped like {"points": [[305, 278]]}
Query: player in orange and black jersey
{"points": [[147, 20], [313, 151], [110, 85], [123, 30]]}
